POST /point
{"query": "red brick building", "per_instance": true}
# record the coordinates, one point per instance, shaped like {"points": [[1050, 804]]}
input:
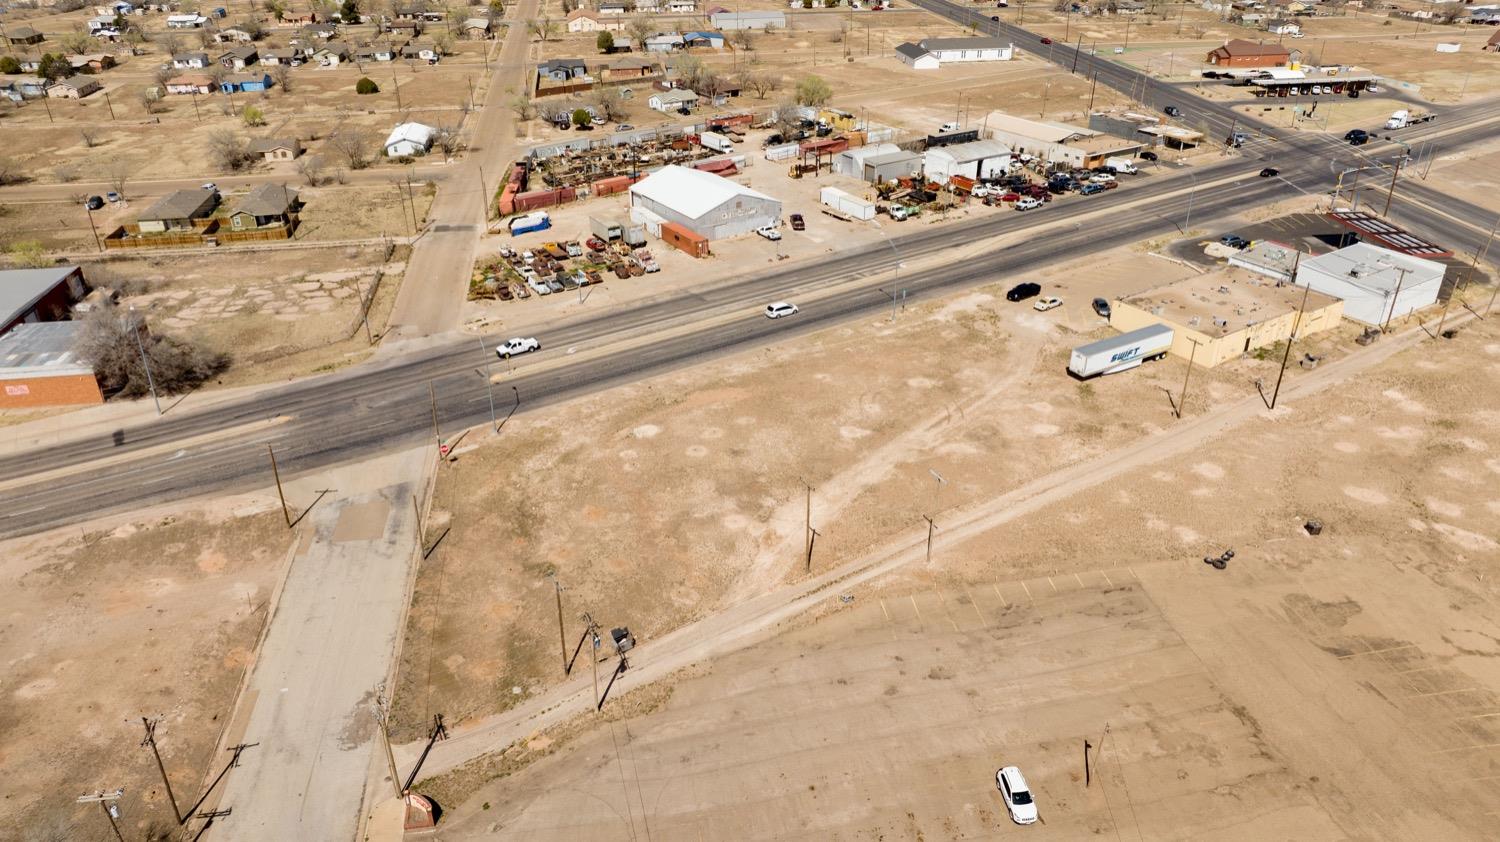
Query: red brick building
{"points": [[1238, 52], [40, 366], [39, 295]]}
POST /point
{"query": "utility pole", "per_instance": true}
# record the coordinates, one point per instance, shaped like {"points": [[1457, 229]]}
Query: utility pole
{"points": [[1395, 299], [279, 493], [562, 637], [1390, 193], [489, 385], [1093, 86], [930, 528], [111, 107], [1077, 51], [150, 740], [136, 326], [1297, 326], [436, 433], [807, 522], [1088, 776], [92, 227], [107, 801], [385, 738], [1193, 355]]}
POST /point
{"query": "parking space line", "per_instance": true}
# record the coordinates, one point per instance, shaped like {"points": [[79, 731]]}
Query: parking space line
{"points": [[1478, 716], [914, 607], [1106, 579], [1445, 692], [883, 611], [982, 622], [946, 613], [1052, 583], [1418, 669], [1029, 597], [1079, 578], [1467, 748], [1377, 651], [996, 586], [1133, 574]]}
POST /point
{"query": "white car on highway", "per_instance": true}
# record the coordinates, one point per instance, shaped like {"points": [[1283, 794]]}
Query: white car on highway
{"points": [[517, 345], [1046, 303], [780, 309]]}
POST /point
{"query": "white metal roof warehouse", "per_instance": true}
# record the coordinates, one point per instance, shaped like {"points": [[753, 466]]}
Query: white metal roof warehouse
{"points": [[706, 204], [1375, 283]]}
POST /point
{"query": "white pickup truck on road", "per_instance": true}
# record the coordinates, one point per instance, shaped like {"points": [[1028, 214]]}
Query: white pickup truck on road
{"points": [[517, 345]]}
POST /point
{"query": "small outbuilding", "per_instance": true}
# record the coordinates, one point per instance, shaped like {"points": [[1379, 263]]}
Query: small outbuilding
{"points": [[916, 57], [409, 139], [39, 295]]}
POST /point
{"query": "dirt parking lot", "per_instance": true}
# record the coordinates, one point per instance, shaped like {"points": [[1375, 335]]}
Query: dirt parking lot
{"points": [[1332, 686], [152, 618]]}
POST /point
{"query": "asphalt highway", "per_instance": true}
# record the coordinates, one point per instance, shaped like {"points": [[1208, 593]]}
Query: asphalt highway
{"points": [[350, 415]]}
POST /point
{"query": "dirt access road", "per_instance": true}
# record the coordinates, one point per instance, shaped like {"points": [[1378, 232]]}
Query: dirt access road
{"points": [[743, 623], [437, 275]]}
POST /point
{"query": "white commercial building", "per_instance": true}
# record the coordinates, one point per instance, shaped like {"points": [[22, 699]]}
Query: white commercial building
{"points": [[977, 159], [408, 139], [748, 20], [851, 162], [704, 203], [1375, 283], [1057, 143], [948, 50]]}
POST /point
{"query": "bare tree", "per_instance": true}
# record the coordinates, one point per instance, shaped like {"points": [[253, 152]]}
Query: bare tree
{"points": [[119, 175], [743, 40], [761, 83], [355, 143], [447, 140], [282, 74], [311, 168], [171, 43], [230, 152], [10, 172], [89, 136], [112, 343], [542, 28], [65, 173], [78, 43], [640, 29], [610, 103], [522, 106]]}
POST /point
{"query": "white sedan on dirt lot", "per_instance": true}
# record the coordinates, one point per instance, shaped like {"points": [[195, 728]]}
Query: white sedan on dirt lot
{"points": [[517, 345], [769, 232], [1017, 795], [1046, 303]]}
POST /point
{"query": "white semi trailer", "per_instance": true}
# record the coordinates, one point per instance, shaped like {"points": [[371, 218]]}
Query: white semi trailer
{"points": [[1118, 353]]}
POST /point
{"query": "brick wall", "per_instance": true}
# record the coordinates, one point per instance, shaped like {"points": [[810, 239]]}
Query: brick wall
{"points": [[60, 390]]}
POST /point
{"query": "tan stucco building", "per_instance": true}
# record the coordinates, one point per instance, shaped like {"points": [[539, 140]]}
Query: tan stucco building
{"points": [[1228, 314]]}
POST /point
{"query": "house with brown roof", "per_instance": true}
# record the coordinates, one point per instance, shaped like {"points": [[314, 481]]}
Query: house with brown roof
{"points": [[77, 87], [1238, 52], [177, 210], [1493, 45], [192, 83], [632, 67], [25, 35], [265, 206], [276, 148]]}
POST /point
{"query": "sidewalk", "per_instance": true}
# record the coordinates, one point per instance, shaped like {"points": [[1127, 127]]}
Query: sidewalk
{"points": [[309, 702]]}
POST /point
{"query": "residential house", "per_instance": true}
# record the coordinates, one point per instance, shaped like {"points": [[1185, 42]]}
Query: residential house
{"points": [[1238, 52], [423, 50], [675, 99], [420, 13], [563, 69], [717, 10], [664, 42], [245, 83], [331, 55], [682, 7], [289, 56], [709, 40], [477, 29], [29, 64], [747, 20], [379, 51], [583, 20], [916, 57], [177, 210], [39, 295], [25, 35], [186, 21], [1288, 7], [233, 35], [1282, 26], [405, 28], [321, 31], [76, 87], [239, 58], [92, 63], [295, 18], [276, 148], [409, 139], [192, 83], [266, 206], [632, 68], [613, 7], [191, 61], [648, 6], [23, 87], [102, 26]]}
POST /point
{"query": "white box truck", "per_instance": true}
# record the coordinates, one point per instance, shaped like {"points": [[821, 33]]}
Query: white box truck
{"points": [[1120, 165], [846, 203], [716, 142], [1119, 353]]}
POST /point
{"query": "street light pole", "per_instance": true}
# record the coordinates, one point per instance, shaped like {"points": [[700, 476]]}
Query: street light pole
{"points": [[1187, 224], [135, 328]]}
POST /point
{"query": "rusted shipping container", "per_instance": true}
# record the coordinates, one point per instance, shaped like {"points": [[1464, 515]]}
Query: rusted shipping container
{"points": [[681, 238]]}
